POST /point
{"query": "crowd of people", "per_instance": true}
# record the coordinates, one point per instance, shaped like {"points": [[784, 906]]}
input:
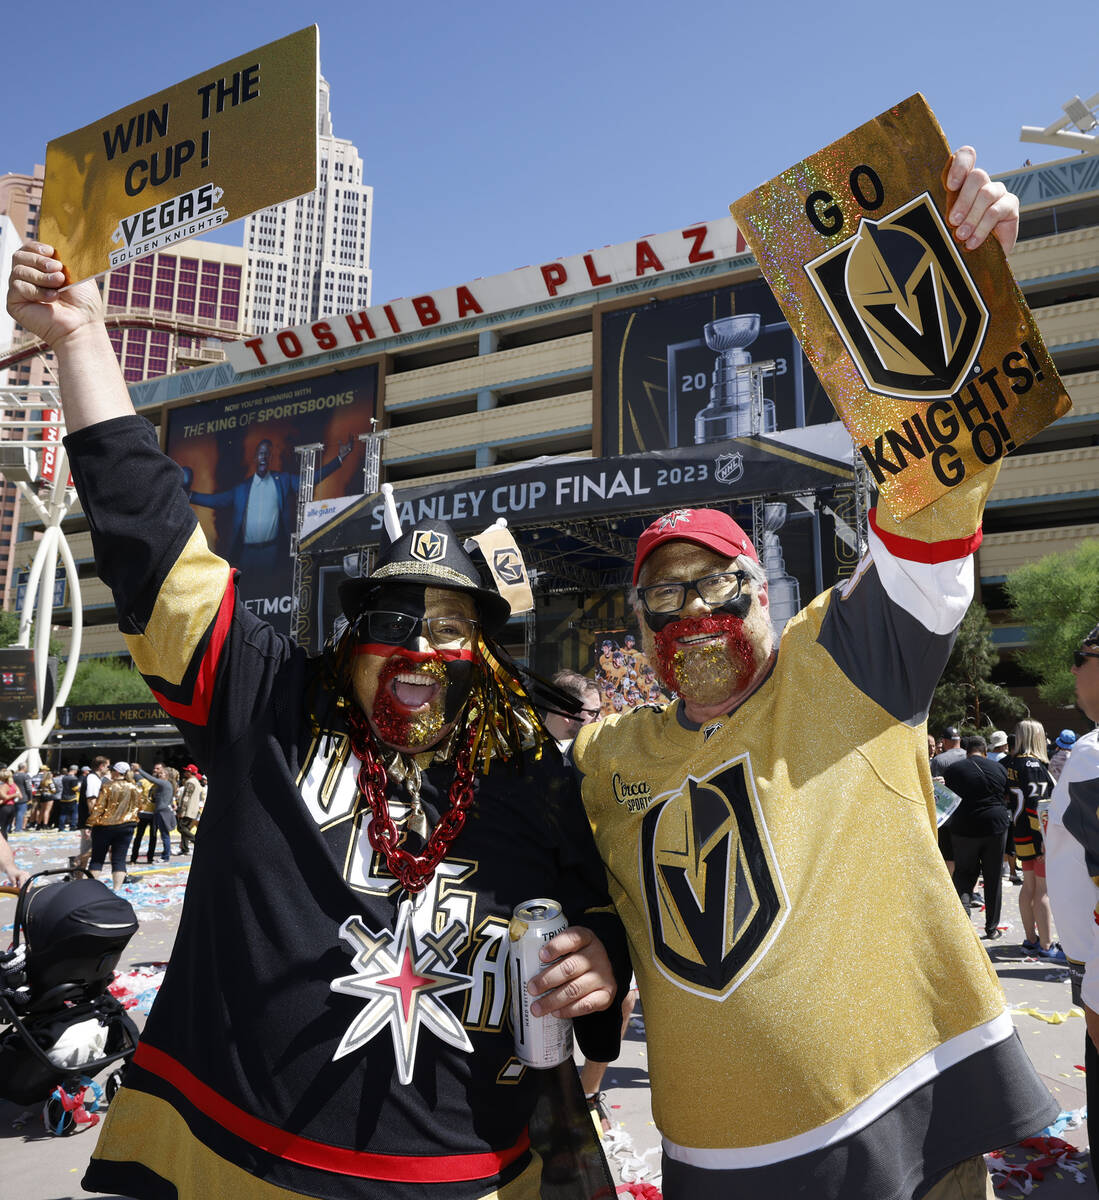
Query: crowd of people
{"points": [[111, 805], [1003, 786]]}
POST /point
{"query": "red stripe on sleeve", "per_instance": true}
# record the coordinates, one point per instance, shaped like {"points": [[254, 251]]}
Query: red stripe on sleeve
{"points": [[443, 1168], [197, 711], [925, 552]]}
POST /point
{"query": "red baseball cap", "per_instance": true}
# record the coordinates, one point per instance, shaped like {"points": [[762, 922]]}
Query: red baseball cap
{"points": [[192, 769], [707, 527]]}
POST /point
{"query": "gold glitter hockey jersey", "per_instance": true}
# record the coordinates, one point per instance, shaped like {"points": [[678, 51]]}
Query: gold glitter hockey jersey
{"points": [[817, 1004]]}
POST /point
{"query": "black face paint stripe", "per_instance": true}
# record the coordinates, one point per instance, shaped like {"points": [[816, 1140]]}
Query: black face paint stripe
{"points": [[737, 608]]}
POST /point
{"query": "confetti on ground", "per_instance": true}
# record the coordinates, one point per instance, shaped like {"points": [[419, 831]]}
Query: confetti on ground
{"points": [[1066, 1120], [632, 1167], [1043, 1154], [1051, 1018], [138, 987]]}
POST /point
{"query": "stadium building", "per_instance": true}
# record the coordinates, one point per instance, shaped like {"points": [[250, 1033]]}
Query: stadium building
{"points": [[498, 396]]}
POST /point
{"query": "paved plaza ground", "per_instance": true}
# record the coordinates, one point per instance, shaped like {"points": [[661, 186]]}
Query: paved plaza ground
{"points": [[36, 1166]]}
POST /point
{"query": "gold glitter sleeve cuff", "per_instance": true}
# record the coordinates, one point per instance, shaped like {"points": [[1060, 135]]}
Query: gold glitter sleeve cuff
{"points": [[953, 516]]}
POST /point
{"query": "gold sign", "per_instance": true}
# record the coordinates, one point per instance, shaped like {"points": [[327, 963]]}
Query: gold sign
{"points": [[235, 139], [928, 351]]}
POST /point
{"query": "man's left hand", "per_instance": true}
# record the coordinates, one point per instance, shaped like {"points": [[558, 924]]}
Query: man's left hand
{"points": [[982, 205], [579, 982]]}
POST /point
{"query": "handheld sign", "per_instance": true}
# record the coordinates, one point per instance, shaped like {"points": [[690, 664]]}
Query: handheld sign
{"points": [[928, 351], [235, 139]]}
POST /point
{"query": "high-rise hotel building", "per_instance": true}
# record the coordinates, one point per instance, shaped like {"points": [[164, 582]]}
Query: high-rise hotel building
{"points": [[310, 257]]}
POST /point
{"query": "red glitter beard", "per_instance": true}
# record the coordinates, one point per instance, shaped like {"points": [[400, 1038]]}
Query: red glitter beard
{"points": [[741, 652], [393, 726]]}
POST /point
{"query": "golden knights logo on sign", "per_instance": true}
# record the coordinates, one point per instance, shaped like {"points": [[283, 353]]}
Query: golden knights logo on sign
{"points": [[928, 351], [713, 891], [904, 303], [428, 545]]}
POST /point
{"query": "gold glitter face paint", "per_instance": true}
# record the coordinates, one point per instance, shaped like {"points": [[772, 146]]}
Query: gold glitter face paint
{"points": [[928, 351], [405, 692], [707, 657]]}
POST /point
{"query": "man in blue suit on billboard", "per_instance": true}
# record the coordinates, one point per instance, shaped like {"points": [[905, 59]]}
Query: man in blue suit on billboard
{"points": [[263, 508]]}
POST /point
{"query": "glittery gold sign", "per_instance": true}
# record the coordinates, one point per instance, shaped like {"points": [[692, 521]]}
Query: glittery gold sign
{"points": [[237, 138], [928, 351]]}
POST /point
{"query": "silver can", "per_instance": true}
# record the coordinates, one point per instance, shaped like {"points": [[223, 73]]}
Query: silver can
{"points": [[539, 1041]]}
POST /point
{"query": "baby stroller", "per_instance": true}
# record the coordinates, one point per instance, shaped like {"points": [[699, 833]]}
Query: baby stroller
{"points": [[65, 1026]]}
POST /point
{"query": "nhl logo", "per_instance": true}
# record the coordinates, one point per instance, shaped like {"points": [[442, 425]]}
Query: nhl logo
{"points": [[729, 468], [904, 303], [428, 545]]}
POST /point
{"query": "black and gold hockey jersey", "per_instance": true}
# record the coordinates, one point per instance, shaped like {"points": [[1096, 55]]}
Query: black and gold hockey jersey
{"points": [[313, 1035], [1029, 785], [821, 1017]]}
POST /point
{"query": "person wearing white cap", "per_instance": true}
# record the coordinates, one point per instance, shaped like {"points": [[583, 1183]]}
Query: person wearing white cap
{"points": [[997, 745], [112, 817]]}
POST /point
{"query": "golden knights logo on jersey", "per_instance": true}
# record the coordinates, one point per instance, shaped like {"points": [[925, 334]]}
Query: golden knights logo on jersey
{"points": [[902, 299], [713, 891]]}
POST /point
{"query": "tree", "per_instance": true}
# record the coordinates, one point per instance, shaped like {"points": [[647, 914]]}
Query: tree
{"points": [[1057, 600], [966, 694], [97, 681], [108, 681]]}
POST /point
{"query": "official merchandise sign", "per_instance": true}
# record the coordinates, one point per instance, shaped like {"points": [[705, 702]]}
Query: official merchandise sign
{"points": [[928, 351], [110, 716], [237, 138]]}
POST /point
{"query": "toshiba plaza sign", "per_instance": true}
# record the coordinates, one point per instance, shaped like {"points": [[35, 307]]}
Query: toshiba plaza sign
{"points": [[707, 241]]}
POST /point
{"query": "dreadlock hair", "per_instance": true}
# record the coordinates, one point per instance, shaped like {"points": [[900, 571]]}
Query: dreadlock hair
{"points": [[500, 704]]}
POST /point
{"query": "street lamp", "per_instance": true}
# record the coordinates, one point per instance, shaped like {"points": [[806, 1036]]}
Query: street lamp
{"points": [[1078, 113]]}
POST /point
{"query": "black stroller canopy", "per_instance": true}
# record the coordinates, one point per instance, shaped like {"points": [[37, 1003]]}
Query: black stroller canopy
{"points": [[75, 932]]}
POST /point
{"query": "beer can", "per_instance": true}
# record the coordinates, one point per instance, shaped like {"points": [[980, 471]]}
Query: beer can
{"points": [[539, 1041]]}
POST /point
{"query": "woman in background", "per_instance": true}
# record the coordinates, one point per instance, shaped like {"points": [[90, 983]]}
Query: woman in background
{"points": [[1029, 786]]}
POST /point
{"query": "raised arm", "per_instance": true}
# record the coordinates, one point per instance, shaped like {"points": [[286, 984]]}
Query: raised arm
{"points": [[70, 321]]}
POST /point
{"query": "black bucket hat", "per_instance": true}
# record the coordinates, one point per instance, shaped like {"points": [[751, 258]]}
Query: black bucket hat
{"points": [[430, 554]]}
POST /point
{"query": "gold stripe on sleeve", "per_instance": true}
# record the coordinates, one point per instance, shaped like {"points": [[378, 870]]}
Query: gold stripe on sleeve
{"points": [[188, 601]]}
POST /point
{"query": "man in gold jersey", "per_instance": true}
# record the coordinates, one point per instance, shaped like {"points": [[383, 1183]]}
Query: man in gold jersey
{"points": [[804, 1043]]}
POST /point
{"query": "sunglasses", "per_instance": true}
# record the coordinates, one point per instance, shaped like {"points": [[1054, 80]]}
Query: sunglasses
{"points": [[396, 628], [1078, 657]]}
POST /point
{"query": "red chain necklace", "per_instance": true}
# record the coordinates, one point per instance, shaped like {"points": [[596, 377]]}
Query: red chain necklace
{"points": [[413, 871]]}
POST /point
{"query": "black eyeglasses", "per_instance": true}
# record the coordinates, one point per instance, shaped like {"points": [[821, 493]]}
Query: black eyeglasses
{"points": [[714, 590], [1078, 657], [396, 628]]}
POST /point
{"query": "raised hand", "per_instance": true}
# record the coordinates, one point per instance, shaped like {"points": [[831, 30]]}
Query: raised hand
{"points": [[982, 205], [39, 300]]}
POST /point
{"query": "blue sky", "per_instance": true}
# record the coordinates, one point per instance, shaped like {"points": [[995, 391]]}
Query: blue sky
{"points": [[502, 134]]}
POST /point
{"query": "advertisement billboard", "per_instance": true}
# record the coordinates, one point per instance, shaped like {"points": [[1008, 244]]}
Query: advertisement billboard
{"points": [[18, 691], [670, 371], [242, 472]]}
